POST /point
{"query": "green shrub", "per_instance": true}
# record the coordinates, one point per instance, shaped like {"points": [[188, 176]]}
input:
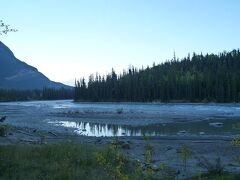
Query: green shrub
{"points": [[3, 130], [184, 154], [209, 176], [117, 165]]}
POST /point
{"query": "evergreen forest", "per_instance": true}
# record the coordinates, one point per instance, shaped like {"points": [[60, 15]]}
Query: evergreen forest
{"points": [[44, 94], [195, 78]]}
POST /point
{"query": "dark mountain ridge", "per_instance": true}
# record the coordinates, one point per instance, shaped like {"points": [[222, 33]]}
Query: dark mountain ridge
{"points": [[16, 74]]}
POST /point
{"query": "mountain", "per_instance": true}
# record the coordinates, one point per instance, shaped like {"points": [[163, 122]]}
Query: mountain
{"points": [[16, 74]]}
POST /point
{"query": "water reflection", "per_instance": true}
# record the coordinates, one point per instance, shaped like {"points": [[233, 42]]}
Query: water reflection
{"points": [[100, 129], [95, 129]]}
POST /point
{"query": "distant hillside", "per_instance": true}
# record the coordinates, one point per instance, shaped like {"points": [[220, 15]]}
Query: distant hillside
{"points": [[16, 74], [200, 78]]}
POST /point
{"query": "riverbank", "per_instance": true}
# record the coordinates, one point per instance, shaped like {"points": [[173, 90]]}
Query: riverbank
{"points": [[166, 151]]}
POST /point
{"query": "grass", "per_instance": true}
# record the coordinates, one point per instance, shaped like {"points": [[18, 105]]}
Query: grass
{"points": [[209, 176], [184, 154], [49, 162], [80, 161], [65, 161], [3, 130]]}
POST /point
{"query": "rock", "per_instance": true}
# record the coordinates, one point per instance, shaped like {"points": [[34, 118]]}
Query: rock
{"points": [[77, 112], [216, 124], [120, 111], [183, 132], [125, 146], [3, 118], [129, 142], [154, 168], [99, 141], [169, 148]]}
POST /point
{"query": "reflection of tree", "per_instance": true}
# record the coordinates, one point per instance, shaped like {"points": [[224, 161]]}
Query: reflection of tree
{"points": [[92, 128], [109, 127], [100, 129], [84, 125], [77, 124], [115, 130]]}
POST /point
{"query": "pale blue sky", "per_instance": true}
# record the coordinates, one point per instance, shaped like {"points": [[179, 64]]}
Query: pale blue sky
{"points": [[68, 39]]}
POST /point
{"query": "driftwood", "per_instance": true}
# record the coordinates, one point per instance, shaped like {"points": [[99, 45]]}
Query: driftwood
{"points": [[22, 132], [29, 140], [52, 133], [203, 141]]}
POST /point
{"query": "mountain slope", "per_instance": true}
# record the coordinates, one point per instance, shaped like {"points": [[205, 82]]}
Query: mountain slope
{"points": [[15, 74]]}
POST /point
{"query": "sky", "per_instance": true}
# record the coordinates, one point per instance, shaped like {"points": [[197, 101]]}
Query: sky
{"points": [[67, 40]]}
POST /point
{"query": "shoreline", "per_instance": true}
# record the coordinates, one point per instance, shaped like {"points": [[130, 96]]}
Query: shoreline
{"points": [[128, 102]]}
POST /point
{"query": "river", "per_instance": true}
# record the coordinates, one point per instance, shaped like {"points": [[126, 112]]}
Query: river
{"points": [[124, 119]]}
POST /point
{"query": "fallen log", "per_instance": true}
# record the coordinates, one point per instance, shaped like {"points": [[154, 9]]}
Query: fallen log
{"points": [[22, 132], [29, 141], [52, 133]]}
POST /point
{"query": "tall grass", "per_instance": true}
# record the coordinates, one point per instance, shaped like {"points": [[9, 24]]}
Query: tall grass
{"points": [[65, 161], [78, 161], [3, 130], [60, 161]]}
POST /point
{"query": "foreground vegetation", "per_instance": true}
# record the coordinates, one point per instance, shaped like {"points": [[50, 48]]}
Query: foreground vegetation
{"points": [[78, 161], [199, 78], [65, 161]]}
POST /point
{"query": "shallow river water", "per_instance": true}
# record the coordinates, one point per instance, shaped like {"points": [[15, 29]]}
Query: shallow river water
{"points": [[124, 119]]}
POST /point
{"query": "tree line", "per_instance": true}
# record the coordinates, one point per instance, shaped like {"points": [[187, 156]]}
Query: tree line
{"points": [[44, 94], [195, 78]]}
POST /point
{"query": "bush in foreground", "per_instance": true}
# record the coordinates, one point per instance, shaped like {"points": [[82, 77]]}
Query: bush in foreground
{"points": [[3, 130]]}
